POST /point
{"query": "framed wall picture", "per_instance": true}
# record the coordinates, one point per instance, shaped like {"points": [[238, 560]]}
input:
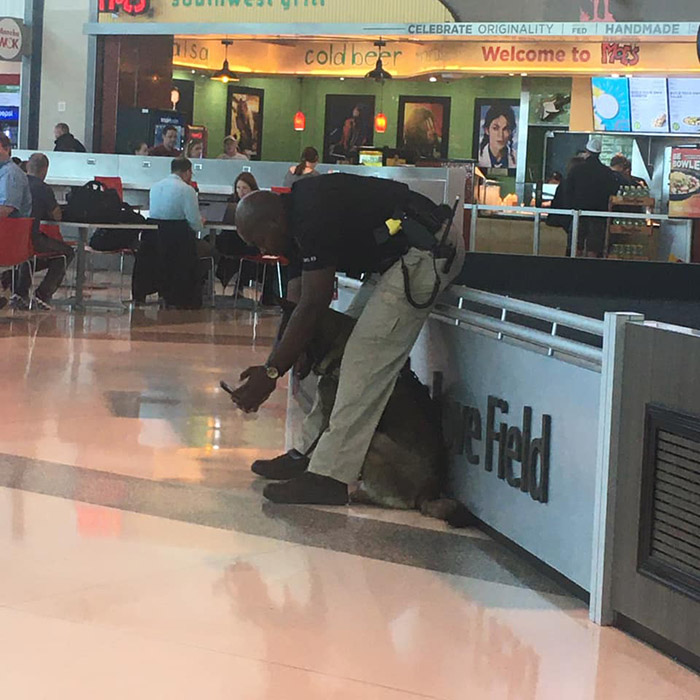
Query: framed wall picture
{"points": [[244, 119], [424, 127], [349, 126], [496, 134]]}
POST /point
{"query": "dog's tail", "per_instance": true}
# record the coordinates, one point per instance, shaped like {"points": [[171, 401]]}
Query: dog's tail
{"points": [[454, 513]]}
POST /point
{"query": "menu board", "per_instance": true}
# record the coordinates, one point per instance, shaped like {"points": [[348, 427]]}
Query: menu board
{"points": [[611, 104], [684, 183], [684, 105], [649, 104]]}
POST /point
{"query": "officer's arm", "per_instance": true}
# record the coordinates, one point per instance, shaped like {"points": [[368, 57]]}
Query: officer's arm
{"points": [[315, 298]]}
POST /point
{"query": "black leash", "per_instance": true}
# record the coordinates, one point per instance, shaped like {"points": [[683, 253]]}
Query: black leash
{"points": [[446, 267]]}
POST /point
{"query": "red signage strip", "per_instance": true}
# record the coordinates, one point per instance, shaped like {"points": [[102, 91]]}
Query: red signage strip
{"points": [[131, 7]]}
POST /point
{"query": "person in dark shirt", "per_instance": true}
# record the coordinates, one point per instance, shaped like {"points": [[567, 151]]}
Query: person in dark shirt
{"points": [[622, 170], [168, 147], [44, 208], [590, 186], [352, 224], [65, 141]]}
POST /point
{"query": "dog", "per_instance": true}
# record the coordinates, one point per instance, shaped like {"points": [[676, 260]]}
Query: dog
{"points": [[406, 463]]}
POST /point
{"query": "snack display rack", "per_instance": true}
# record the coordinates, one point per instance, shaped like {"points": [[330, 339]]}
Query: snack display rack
{"points": [[632, 238]]}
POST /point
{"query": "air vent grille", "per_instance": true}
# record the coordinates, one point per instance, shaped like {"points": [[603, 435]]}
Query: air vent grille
{"points": [[669, 542]]}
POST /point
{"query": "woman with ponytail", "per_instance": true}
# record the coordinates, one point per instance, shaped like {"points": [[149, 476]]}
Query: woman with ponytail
{"points": [[305, 168]]}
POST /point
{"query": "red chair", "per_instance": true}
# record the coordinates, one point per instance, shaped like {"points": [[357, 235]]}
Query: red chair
{"points": [[263, 260], [114, 183], [15, 243], [281, 190]]}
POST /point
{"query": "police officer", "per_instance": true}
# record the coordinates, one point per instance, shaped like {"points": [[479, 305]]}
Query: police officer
{"points": [[409, 250]]}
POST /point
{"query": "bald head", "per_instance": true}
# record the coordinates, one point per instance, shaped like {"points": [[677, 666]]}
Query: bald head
{"points": [[38, 165], [261, 220]]}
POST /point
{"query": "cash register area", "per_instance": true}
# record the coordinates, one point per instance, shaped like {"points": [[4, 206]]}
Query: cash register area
{"points": [[134, 536]]}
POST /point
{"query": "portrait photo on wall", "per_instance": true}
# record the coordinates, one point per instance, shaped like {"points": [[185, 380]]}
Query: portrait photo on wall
{"points": [[349, 126], [496, 134], [244, 119], [424, 127]]}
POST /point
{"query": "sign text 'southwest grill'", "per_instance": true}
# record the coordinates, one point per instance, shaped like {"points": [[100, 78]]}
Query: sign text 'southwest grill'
{"points": [[504, 444], [284, 4]]}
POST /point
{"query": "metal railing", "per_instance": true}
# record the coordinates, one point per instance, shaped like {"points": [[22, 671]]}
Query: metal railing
{"points": [[511, 321], [538, 215]]}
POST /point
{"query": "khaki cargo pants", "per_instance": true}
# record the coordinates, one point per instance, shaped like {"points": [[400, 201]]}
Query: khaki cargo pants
{"points": [[386, 330]]}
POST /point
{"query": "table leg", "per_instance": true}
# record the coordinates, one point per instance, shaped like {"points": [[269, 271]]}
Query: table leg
{"points": [[80, 265]]}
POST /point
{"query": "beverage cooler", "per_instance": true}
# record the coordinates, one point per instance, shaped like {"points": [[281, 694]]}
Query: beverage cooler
{"points": [[136, 124]]}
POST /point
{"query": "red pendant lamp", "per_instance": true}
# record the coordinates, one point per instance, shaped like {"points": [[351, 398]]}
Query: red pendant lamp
{"points": [[300, 117], [380, 123], [299, 121]]}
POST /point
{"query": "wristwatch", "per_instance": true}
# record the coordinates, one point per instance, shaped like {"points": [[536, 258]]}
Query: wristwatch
{"points": [[272, 372]]}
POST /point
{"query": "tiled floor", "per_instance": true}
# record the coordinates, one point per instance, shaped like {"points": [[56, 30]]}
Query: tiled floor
{"points": [[139, 561]]}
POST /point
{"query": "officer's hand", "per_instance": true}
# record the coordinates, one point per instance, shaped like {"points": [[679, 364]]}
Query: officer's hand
{"points": [[302, 367], [256, 390]]}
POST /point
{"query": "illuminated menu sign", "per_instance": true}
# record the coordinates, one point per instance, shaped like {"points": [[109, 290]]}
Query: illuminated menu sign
{"points": [[611, 104], [684, 105], [649, 105]]}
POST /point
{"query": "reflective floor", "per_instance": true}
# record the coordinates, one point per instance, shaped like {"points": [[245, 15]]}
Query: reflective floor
{"points": [[139, 561]]}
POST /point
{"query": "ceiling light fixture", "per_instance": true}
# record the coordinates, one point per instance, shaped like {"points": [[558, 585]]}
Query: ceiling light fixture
{"points": [[225, 75], [378, 73]]}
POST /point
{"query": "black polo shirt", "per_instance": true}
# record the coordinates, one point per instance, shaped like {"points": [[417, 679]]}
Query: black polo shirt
{"points": [[333, 218], [43, 199]]}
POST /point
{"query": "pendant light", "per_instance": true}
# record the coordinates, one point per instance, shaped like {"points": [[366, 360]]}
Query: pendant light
{"points": [[225, 75], [380, 123], [300, 117], [299, 121], [378, 73]]}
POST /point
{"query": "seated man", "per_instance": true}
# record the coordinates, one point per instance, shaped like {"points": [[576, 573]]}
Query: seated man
{"points": [[409, 249], [169, 146], [44, 208], [173, 199], [15, 197], [231, 151]]}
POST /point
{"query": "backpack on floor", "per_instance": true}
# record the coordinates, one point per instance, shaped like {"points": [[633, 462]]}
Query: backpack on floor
{"points": [[110, 239]]}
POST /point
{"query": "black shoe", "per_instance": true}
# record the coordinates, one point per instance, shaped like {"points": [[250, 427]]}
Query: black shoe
{"points": [[282, 468], [309, 488]]}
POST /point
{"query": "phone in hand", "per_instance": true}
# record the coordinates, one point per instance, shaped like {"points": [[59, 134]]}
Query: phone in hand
{"points": [[226, 387]]}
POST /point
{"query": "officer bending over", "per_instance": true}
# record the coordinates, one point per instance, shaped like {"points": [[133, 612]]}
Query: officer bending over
{"points": [[409, 249]]}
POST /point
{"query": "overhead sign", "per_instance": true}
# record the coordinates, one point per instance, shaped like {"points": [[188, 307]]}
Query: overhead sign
{"points": [[130, 7], [12, 39], [275, 11], [535, 29], [352, 58]]}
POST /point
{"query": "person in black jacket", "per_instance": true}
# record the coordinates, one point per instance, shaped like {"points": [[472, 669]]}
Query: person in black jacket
{"points": [[589, 187], [65, 141]]}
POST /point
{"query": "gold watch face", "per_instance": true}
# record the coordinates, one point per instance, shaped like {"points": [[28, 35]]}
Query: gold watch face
{"points": [[272, 372]]}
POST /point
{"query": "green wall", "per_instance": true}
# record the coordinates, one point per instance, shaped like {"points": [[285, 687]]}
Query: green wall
{"points": [[282, 100]]}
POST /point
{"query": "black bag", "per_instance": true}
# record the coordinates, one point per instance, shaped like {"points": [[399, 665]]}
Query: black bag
{"points": [[110, 239], [93, 203]]}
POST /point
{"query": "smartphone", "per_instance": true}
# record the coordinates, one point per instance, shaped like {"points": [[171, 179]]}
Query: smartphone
{"points": [[226, 387]]}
